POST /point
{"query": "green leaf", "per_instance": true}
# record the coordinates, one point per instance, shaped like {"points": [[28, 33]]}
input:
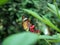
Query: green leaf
{"points": [[54, 38], [3, 2], [50, 24], [25, 38], [34, 14], [54, 9]]}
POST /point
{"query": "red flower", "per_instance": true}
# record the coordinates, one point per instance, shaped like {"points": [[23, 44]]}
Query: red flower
{"points": [[32, 28]]}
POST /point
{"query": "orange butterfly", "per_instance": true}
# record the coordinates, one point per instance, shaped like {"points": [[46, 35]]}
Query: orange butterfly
{"points": [[26, 23], [28, 26]]}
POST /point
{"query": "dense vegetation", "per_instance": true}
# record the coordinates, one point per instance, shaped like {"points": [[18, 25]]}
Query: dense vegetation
{"points": [[42, 14]]}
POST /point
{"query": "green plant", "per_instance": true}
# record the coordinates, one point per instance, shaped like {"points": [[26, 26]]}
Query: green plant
{"points": [[43, 19], [42, 16]]}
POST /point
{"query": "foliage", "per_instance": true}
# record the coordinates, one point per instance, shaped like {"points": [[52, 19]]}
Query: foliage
{"points": [[45, 15], [27, 38], [43, 19]]}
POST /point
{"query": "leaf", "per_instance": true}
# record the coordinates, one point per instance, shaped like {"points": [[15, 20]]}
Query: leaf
{"points": [[54, 9], [51, 24], [54, 38], [25, 38], [3, 2], [33, 14]]}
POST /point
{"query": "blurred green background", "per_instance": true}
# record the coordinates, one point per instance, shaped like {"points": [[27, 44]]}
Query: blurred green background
{"points": [[11, 16]]}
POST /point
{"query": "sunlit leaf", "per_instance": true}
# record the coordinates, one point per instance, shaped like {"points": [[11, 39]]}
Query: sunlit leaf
{"points": [[3, 2]]}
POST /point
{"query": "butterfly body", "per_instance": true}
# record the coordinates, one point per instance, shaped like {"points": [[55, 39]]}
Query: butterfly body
{"points": [[26, 23]]}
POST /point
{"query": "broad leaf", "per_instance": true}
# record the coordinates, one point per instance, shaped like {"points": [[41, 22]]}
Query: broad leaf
{"points": [[25, 38]]}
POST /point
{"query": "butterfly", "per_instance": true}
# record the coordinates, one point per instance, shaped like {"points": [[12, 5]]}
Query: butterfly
{"points": [[26, 23], [28, 26]]}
